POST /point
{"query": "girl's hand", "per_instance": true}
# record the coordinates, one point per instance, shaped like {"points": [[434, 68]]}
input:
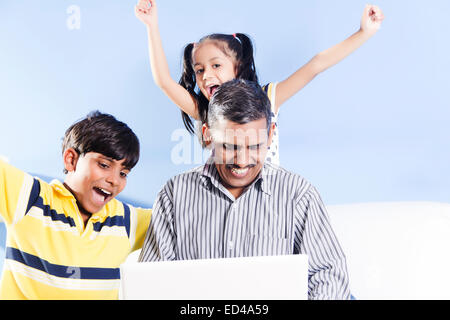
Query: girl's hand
{"points": [[146, 11], [371, 19]]}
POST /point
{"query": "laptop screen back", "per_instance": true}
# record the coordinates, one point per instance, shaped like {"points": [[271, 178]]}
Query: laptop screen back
{"points": [[249, 278]]}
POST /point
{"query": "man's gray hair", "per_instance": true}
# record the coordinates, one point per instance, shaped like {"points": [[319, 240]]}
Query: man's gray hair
{"points": [[240, 101]]}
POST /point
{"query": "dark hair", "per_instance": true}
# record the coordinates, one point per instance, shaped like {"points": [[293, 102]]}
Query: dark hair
{"points": [[240, 45], [239, 101], [102, 133]]}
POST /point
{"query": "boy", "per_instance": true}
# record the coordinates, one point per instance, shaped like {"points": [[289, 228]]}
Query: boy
{"points": [[67, 240]]}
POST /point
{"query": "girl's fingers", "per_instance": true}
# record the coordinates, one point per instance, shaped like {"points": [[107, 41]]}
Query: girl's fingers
{"points": [[379, 16], [145, 4], [377, 11], [142, 3], [367, 10], [141, 11], [374, 13], [139, 8], [142, 7]]}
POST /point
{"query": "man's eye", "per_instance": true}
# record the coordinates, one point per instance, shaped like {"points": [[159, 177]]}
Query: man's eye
{"points": [[229, 147]]}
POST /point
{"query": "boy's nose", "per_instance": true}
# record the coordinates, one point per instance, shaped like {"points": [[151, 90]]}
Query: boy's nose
{"points": [[112, 179]]}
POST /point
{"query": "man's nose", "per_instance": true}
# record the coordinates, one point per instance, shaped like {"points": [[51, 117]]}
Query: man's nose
{"points": [[241, 157]]}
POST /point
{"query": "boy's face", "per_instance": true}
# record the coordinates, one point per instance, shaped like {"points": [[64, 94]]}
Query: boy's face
{"points": [[94, 179]]}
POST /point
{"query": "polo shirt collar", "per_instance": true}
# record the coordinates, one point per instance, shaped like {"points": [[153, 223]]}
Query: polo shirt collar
{"points": [[61, 189]]}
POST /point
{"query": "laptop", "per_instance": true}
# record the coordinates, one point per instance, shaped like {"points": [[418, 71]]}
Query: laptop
{"points": [[250, 278]]}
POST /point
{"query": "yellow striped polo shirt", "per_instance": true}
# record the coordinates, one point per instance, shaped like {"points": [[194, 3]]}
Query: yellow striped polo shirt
{"points": [[50, 253]]}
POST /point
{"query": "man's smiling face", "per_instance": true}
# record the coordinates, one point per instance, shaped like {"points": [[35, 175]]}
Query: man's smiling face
{"points": [[239, 152]]}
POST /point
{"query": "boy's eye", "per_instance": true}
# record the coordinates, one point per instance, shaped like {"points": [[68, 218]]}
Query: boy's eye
{"points": [[103, 165], [215, 66], [123, 174]]}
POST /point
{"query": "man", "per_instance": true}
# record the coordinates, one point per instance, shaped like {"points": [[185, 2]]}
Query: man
{"points": [[236, 205]]}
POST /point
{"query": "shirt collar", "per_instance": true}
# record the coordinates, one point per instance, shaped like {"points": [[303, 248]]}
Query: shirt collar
{"points": [[266, 171], [61, 189], [211, 174]]}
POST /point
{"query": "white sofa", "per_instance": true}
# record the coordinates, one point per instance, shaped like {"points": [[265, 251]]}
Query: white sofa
{"points": [[395, 250]]}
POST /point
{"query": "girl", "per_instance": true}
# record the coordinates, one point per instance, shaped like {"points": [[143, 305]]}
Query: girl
{"points": [[218, 58]]}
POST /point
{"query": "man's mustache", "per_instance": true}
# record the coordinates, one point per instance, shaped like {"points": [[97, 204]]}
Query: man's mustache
{"points": [[235, 166]]}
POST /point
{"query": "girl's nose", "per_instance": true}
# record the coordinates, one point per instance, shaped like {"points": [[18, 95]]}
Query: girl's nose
{"points": [[207, 73]]}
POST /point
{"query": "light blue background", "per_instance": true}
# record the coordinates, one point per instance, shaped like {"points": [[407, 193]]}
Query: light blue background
{"points": [[373, 128]]}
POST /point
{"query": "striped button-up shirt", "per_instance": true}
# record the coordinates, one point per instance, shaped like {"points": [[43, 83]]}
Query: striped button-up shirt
{"points": [[196, 217]]}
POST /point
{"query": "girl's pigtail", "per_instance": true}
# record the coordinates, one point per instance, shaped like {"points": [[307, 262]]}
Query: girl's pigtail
{"points": [[188, 82], [247, 69], [203, 104]]}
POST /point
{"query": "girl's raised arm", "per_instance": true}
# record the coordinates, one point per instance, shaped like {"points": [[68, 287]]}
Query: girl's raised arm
{"points": [[370, 23], [147, 12]]}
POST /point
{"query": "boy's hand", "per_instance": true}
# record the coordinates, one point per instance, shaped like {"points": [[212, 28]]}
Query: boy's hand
{"points": [[146, 11], [371, 19]]}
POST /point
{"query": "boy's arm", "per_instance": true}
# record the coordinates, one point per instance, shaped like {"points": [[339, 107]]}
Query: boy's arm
{"points": [[143, 219], [146, 11], [160, 240], [370, 23], [16, 188]]}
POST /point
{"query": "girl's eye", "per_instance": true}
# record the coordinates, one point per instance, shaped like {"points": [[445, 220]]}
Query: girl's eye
{"points": [[124, 174], [199, 71], [215, 66]]}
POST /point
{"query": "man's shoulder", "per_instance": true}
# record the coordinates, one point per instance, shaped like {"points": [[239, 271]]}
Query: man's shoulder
{"points": [[283, 180], [276, 170]]}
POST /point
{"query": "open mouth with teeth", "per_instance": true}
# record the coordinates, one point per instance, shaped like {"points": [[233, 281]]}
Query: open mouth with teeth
{"points": [[239, 172], [102, 195], [212, 89]]}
